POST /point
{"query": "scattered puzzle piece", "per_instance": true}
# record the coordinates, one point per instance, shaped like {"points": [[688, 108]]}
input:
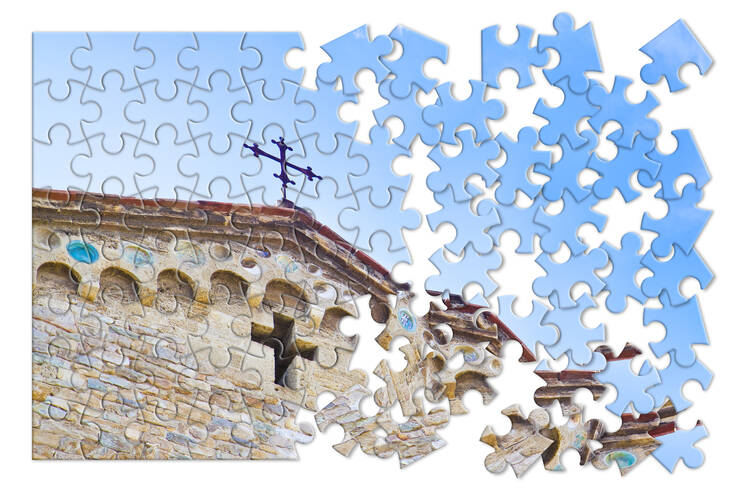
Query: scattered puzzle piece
{"points": [[519, 56], [561, 277], [680, 444], [669, 51]]}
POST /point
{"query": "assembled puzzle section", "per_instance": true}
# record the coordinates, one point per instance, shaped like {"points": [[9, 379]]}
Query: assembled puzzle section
{"points": [[202, 222]]}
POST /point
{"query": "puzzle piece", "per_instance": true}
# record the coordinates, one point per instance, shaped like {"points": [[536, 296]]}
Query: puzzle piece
{"points": [[408, 68], [369, 219], [673, 378], [100, 164], [522, 446], [563, 227], [471, 228], [380, 154], [616, 173], [629, 445], [273, 48], [451, 113], [400, 386], [521, 221], [631, 388], [680, 444], [575, 337], [563, 119], [282, 114], [110, 51], [530, 329], [563, 174], [577, 49], [51, 52], [520, 156], [685, 160], [162, 73], [626, 261], [454, 171], [112, 101], [325, 123], [681, 226], [454, 276], [53, 160], [519, 56], [633, 118], [203, 59], [154, 111], [561, 277], [417, 437], [670, 273], [408, 110], [71, 111], [574, 434], [669, 51], [683, 326], [352, 52]]}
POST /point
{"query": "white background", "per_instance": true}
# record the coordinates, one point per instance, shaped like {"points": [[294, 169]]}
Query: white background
{"points": [[715, 108]]}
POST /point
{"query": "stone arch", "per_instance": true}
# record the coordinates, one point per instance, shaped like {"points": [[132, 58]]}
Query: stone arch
{"points": [[118, 286], [228, 287], [329, 324], [57, 277], [174, 288], [281, 294]]}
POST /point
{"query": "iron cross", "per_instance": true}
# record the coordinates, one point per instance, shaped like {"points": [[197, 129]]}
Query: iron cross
{"points": [[281, 159]]}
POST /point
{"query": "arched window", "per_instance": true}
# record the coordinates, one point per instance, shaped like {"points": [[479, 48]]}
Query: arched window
{"points": [[116, 286], [282, 295], [173, 289], [228, 287], [57, 277]]}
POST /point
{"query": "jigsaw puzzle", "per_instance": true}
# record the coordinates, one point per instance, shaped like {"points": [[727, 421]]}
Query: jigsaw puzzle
{"points": [[203, 221]]}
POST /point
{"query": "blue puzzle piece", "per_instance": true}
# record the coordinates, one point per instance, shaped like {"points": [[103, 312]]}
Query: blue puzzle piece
{"points": [[564, 118], [71, 112], [452, 113], [282, 113], [273, 48], [109, 51], [471, 228], [220, 101], [51, 53], [669, 51], [673, 378], [325, 123], [154, 111], [112, 173], [530, 329], [213, 51], [631, 388], [683, 326], [379, 154], [561, 277], [669, 274], [52, 161], [324, 199], [563, 174], [520, 155], [520, 220], [334, 166], [408, 68], [112, 123], [626, 262], [369, 219], [352, 52], [563, 227], [577, 49], [455, 170], [680, 444], [409, 111], [166, 181], [472, 267], [686, 159], [616, 174], [681, 226], [632, 118], [574, 336], [163, 72], [518, 56]]}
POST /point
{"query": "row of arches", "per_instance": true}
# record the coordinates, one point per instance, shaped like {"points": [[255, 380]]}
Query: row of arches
{"points": [[117, 286]]}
